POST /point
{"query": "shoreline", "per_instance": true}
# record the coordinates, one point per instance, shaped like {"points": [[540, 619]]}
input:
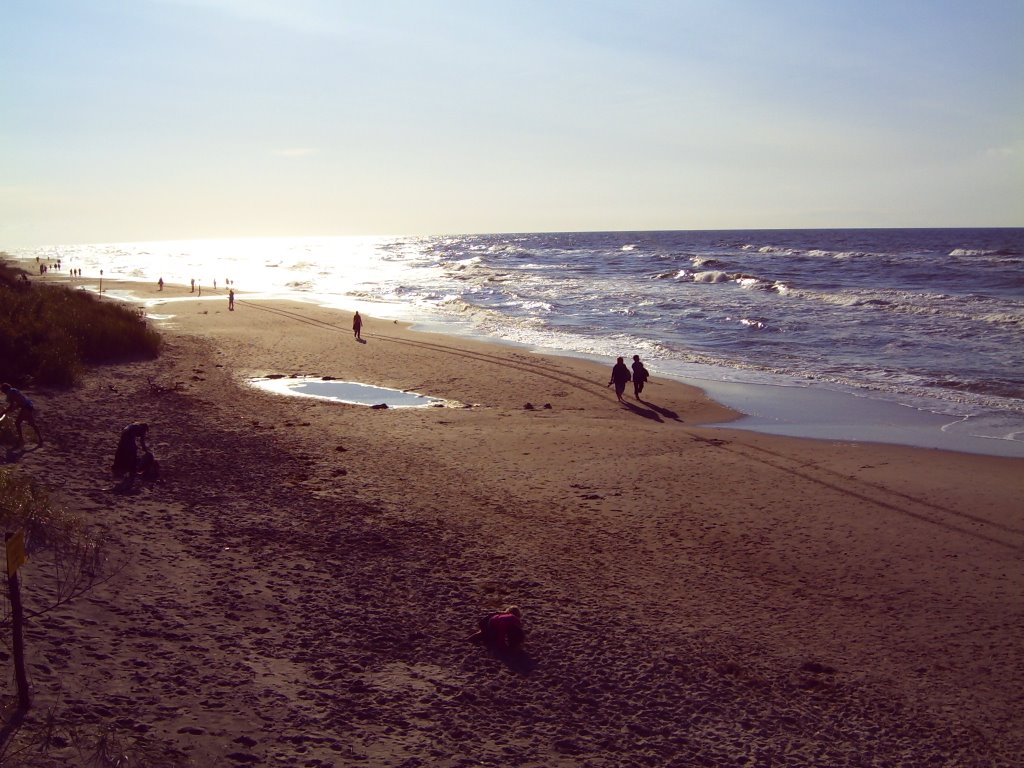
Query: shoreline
{"points": [[810, 411], [298, 587]]}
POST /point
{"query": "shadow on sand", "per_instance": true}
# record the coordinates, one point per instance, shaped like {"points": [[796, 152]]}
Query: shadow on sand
{"points": [[668, 414], [647, 413], [519, 661], [12, 455]]}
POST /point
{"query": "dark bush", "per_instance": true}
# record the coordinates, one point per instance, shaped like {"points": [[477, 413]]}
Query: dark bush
{"points": [[47, 333]]}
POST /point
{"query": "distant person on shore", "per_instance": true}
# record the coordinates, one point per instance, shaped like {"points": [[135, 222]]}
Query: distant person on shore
{"points": [[160, 284], [501, 631], [639, 376], [357, 326], [126, 457], [193, 286], [231, 300], [620, 377], [16, 400]]}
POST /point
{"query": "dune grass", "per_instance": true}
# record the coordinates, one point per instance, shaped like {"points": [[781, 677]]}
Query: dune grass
{"points": [[49, 334]]}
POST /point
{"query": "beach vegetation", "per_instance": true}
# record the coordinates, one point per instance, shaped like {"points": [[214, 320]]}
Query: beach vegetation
{"points": [[56, 541], [49, 334], [66, 562]]}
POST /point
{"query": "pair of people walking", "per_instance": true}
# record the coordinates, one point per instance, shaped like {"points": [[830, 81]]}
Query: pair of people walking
{"points": [[621, 376]]}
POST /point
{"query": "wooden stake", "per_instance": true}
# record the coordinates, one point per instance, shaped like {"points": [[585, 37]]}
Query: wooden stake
{"points": [[17, 630]]}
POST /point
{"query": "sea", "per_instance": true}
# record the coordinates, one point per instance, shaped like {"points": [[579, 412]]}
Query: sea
{"points": [[909, 336]]}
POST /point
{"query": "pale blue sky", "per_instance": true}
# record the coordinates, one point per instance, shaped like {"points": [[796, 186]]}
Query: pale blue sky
{"points": [[157, 119]]}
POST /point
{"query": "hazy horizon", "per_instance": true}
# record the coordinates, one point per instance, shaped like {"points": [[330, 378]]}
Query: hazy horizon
{"points": [[162, 120]]}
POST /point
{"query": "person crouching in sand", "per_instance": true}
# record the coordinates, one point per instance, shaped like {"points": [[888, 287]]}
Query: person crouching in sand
{"points": [[501, 632], [126, 457], [17, 401]]}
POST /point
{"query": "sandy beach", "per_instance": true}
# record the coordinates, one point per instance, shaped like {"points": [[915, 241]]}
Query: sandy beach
{"points": [[298, 587]]}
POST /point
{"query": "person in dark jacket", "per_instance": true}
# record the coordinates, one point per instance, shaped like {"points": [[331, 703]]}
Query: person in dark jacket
{"points": [[126, 457], [639, 376], [620, 377]]}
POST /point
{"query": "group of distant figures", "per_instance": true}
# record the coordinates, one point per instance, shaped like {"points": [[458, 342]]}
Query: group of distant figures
{"points": [[621, 376], [198, 286], [55, 265]]}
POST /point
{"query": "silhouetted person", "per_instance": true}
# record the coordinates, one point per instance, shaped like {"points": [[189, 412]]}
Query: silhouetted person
{"points": [[620, 377], [501, 631], [16, 400], [639, 376], [126, 457], [193, 286], [357, 326], [231, 299], [160, 284]]}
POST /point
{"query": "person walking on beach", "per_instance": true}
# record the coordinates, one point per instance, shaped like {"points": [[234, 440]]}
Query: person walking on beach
{"points": [[193, 286], [639, 376], [16, 400], [160, 284], [357, 326], [231, 300], [620, 377]]}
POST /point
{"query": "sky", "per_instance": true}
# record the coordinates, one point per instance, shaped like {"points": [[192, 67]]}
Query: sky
{"points": [[135, 120]]}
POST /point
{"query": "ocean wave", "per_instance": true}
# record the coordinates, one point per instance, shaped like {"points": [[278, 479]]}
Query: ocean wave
{"points": [[675, 274], [838, 255], [711, 276], [707, 262], [972, 308], [542, 306], [461, 264], [770, 249], [751, 282], [972, 252], [998, 388]]}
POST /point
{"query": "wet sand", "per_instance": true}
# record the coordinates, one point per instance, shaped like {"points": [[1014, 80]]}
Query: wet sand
{"points": [[298, 587]]}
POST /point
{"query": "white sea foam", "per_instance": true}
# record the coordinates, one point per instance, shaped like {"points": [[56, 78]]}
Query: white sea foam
{"points": [[970, 252], [710, 276]]}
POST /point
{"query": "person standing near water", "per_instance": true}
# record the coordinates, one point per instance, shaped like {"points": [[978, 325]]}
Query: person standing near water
{"points": [[231, 299], [357, 326], [639, 376], [620, 376]]}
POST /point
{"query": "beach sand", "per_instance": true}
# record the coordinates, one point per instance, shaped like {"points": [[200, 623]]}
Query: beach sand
{"points": [[298, 588]]}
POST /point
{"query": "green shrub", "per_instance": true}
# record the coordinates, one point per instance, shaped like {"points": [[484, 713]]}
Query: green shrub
{"points": [[47, 333]]}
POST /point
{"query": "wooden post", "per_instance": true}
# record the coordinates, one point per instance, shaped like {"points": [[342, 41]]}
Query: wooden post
{"points": [[17, 629]]}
